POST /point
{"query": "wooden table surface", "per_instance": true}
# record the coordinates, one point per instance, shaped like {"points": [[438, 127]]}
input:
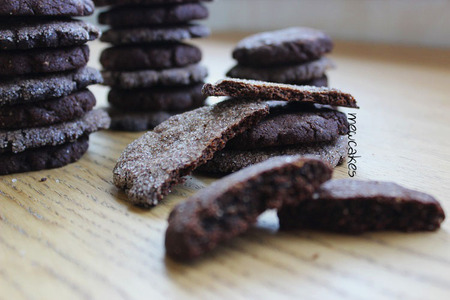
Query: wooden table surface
{"points": [[74, 237]]}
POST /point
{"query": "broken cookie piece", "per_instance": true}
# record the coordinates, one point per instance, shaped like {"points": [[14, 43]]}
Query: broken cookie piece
{"points": [[229, 206], [353, 206]]}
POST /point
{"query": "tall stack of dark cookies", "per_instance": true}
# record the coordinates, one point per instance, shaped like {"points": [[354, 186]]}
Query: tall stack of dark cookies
{"points": [[152, 73], [293, 56], [46, 111]]}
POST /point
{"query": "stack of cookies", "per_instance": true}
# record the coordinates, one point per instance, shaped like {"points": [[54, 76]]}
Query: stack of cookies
{"points": [[46, 111], [152, 73], [293, 56], [304, 122]]}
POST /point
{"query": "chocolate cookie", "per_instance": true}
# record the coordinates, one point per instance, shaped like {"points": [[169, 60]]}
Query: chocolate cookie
{"points": [[25, 62], [319, 82], [47, 112], [46, 8], [165, 56], [22, 139], [353, 206], [48, 157], [292, 74], [25, 33], [136, 121], [141, 35], [251, 89], [287, 46], [133, 16], [155, 99], [151, 78], [229, 206], [289, 124], [142, 2], [152, 164], [17, 90], [229, 161]]}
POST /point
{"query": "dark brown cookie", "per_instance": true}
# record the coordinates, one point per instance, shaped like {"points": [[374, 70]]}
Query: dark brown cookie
{"points": [[143, 2], [287, 46], [165, 56], [133, 16], [136, 121], [229, 161], [19, 90], [48, 157], [23, 33], [229, 206], [319, 82], [251, 89], [141, 35], [43, 113], [16, 141], [152, 164], [151, 78], [25, 62], [290, 124], [46, 8], [156, 99], [292, 74], [353, 206]]}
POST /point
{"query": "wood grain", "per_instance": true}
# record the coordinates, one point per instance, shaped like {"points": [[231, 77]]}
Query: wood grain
{"points": [[74, 237]]}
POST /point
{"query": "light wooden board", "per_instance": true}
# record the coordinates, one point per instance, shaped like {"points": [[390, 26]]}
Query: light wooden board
{"points": [[74, 236]]}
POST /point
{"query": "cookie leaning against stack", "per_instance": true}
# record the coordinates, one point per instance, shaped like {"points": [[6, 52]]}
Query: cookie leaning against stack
{"points": [[293, 55], [306, 124], [152, 73], [46, 111]]}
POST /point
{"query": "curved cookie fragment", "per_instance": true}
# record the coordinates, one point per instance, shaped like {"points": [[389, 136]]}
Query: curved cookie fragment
{"points": [[152, 164], [286, 46], [74, 8], [284, 74], [23, 33], [151, 78], [26, 62], [42, 87], [141, 35], [229, 206], [353, 206], [48, 157], [22, 139], [292, 124], [133, 16], [252, 89], [229, 161], [47, 112]]}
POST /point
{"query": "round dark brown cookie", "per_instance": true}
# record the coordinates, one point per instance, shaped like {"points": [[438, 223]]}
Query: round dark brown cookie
{"points": [[287, 46], [134, 16], [229, 161], [48, 157], [151, 78], [292, 125], [25, 62], [19, 140], [158, 98], [165, 56], [141, 35], [47, 112], [20, 90], [136, 121], [292, 74], [23, 33], [143, 2], [318, 82], [72, 8]]}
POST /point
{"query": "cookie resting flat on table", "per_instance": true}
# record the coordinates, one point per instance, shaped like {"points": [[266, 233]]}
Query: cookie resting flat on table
{"points": [[152, 164], [229, 206]]}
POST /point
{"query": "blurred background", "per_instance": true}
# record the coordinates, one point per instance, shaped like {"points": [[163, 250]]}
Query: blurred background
{"points": [[409, 22]]}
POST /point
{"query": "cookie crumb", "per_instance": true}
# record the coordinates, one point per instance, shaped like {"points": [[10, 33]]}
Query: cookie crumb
{"points": [[315, 256], [43, 179]]}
